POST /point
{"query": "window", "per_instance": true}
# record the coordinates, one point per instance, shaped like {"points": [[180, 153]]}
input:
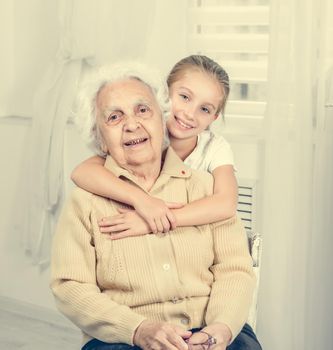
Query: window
{"points": [[235, 33]]}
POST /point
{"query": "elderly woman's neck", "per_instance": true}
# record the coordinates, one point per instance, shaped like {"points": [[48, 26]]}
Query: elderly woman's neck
{"points": [[146, 174]]}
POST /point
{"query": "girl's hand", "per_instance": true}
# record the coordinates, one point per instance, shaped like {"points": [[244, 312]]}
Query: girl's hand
{"points": [[219, 331], [127, 223], [157, 213], [160, 335]]}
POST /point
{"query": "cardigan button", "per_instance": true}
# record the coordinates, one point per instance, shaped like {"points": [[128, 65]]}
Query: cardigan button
{"points": [[176, 300], [166, 267], [184, 321]]}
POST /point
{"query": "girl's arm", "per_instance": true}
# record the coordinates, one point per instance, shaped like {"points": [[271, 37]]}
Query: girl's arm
{"points": [[92, 176], [221, 205]]}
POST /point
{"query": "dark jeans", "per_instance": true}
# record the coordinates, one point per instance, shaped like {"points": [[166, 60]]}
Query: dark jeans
{"points": [[246, 340]]}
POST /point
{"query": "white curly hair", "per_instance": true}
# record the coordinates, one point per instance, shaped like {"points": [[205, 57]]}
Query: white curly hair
{"points": [[96, 79]]}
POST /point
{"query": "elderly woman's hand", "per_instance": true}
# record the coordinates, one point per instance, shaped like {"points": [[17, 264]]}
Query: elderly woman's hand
{"points": [[156, 212], [160, 335], [220, 333]]}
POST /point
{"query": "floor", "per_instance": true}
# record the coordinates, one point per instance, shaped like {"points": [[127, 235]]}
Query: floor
{"points": [[25, 333]]}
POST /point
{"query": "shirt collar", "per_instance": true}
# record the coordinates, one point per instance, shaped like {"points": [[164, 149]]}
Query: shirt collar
{"points": [[173, 167]]}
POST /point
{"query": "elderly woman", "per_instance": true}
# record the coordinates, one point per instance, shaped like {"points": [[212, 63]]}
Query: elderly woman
{"points": [[190, 288]]}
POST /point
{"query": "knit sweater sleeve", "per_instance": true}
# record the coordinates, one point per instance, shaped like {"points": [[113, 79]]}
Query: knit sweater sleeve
{"points": [[73, 281], [234, 280]]}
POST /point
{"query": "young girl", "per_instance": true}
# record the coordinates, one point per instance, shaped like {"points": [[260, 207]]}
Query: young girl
{"points": [[198, 89]]}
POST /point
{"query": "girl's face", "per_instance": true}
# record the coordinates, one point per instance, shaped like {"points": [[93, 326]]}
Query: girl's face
{"points": [[195, 98]]}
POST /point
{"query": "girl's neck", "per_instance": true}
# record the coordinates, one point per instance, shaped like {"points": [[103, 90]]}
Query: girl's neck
{"points": [[183, 147]]}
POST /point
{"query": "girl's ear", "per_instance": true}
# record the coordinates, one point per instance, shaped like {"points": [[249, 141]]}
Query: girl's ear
{"points": [[216, 116]]}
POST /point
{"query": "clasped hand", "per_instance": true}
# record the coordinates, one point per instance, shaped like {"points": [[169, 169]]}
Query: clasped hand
{"points": [[152, 216], [219, 331], [165, 336]]}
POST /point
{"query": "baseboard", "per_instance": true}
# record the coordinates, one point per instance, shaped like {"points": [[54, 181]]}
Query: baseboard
{"points": [[35, 312]]}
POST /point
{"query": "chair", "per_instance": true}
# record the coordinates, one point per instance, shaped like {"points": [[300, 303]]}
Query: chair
{"points": [[255, 247]]}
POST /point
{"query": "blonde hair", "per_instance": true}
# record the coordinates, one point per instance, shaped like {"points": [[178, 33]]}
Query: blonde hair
{"points": [[206, 65]]}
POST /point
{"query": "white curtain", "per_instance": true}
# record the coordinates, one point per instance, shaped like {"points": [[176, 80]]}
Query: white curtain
{"points": [[52, 107], [93, 32], [295, 310]]}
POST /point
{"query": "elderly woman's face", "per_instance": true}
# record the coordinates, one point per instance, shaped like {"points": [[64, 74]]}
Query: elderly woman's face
{"points": [[130, 122]]}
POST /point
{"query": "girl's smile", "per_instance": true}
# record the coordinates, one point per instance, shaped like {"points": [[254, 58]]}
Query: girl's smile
{"points": [[182, 124]]}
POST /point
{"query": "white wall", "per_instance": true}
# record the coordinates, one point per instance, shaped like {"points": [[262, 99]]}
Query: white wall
{"points": [[29, 32], [19, 278]]}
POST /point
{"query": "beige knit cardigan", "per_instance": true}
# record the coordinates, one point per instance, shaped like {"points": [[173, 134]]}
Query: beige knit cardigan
{"points": [[191, 276]]}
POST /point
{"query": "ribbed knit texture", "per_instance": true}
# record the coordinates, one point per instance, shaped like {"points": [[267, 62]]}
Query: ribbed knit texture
{"points": [[191, 276]]}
